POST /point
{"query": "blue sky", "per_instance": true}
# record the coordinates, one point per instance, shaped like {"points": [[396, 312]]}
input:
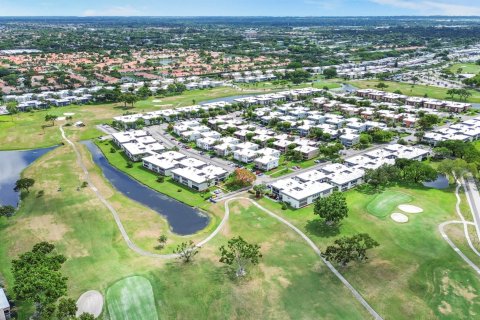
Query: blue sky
{"points": [[237, 7]]}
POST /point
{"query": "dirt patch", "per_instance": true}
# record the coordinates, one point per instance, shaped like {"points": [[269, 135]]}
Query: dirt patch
{"points": [[445, 308], [75, 249], [45, 227], [467, 292]]}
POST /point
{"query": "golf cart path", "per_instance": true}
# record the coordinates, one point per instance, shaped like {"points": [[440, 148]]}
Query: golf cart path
{"points": [[465, 224], [225, 218]]}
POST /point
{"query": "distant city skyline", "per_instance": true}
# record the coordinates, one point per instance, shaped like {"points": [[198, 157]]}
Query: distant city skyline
{"points": [[239, 8]]}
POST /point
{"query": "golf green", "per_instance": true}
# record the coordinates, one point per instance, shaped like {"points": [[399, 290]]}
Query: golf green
{"points": [[384, 203], [131, 298]]}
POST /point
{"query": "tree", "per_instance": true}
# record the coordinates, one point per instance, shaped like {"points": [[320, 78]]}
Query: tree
{"points": [[381, 85], [415, 79], [241, 253], [347, 249], [7, 211], [67, 309], [186, 251], [332, 208], [457, 168], [381, 176], [428, 121], [330, 73], [37, 278], [162, 240], [452, 92], [86, 316], [260, 190], [12, 110], [24, 184], [464, 94], [242, 178], [415, 171], [51, 117]]}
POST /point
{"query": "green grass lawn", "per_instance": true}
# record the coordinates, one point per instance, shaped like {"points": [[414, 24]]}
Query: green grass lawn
{"points": [[414, 274], [417, 90], [466, 68], [290, 281], [131, 298], [385, 203], [169, 187]]}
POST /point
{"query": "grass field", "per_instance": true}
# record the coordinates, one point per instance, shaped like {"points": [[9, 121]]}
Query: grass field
{"points": [[24, 130], [290, 282], [384, 204], [417, 275], [417, 90], [466, 68], [147, 177], [131, 298]]}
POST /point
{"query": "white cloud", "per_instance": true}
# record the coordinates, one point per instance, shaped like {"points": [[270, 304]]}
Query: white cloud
{"points": [[427, 7], [114, 11]]}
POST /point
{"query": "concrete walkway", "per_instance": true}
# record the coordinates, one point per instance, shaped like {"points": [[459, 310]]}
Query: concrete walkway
{"points": [[120, 226], [225, 218], [473, 198], [465, 224]]}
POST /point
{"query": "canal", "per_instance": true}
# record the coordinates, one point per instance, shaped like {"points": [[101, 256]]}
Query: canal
{"points": [[183, 219]]}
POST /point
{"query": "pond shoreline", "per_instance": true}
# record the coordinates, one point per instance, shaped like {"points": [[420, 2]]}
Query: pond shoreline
{"points": [[184, 220]]}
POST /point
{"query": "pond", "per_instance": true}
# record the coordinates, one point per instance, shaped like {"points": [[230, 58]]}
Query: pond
{"points": [[183, 219], [12, 163], [228, 99], [440, 183]]}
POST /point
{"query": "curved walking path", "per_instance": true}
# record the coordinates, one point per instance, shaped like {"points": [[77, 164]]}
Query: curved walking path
{"points": [[114, 212], [225, 218], [465, 225]]}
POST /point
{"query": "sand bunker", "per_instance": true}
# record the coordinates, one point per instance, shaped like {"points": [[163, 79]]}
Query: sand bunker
{"points": [[61, 118], [69, 114], [399, 217], [90, 302], [155, 101], [409, 208]]}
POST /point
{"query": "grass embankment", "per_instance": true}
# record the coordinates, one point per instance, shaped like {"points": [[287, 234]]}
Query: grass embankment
{"points": [[290, 282], [169, 187], [414, 273], [416, 90]]}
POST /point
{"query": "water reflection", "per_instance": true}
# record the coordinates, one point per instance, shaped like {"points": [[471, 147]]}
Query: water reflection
{"points": [[12, 163]]}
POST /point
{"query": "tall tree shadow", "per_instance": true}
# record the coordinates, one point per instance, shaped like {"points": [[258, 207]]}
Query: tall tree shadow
{"points": [[319, 228]]}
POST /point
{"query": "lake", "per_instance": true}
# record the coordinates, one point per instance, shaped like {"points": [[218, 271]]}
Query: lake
{"points": [[183, 219], [12, 163], [440, 183]]}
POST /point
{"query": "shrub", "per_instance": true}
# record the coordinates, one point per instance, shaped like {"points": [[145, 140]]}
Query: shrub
{"points": [[84, 184], [160, 179], [129, 164], [113, 150]]}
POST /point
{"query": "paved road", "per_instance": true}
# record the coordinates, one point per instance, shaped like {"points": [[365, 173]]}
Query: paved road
{"points": [[473, 198], [355, 293], [465, 224], [158, 133], [120, 226], [225, 218], [267, 179]]}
